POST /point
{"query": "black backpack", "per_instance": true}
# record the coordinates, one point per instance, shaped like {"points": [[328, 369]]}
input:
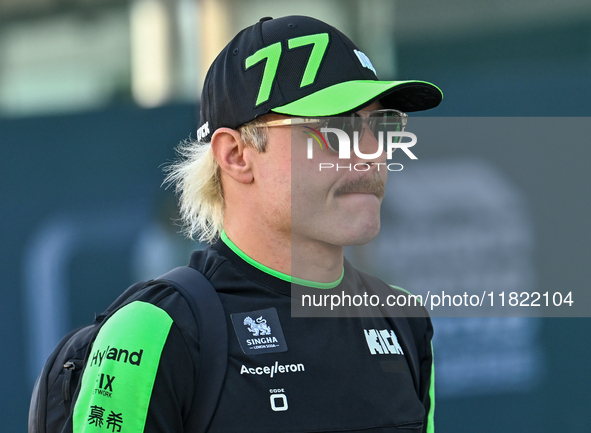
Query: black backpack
{"points": [[57, 386]]}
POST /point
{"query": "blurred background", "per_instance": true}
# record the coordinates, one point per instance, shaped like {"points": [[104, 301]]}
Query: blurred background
{"points": [[95, 94]]}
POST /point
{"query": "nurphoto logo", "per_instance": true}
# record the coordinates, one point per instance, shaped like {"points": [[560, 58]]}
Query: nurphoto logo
{"points": [[341, 143]]}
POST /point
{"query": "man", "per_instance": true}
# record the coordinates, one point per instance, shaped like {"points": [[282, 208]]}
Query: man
{"points": [[275, 220]]}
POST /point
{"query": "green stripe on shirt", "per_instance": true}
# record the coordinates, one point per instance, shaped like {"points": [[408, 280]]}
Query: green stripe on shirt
{"points": [[119, 375]]}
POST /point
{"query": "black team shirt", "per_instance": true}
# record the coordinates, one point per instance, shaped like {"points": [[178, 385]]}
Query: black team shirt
{"points": [[284, 374]]}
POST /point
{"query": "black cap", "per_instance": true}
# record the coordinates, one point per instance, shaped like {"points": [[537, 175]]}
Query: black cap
{"points": [[298, 66]]}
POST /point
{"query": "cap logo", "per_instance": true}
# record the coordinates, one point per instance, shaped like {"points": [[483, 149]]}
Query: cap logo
{"points": [[365, 62], [203, 131], [272, 53]]}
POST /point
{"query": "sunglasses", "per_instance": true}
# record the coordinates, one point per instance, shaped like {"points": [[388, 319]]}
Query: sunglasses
{"points": [[377, 121]]}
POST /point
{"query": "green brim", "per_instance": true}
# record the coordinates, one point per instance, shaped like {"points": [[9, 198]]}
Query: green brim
{"points": [[353, 95]]}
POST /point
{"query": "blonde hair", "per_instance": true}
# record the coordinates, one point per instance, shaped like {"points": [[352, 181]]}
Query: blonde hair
{"points": [[196, 177]]}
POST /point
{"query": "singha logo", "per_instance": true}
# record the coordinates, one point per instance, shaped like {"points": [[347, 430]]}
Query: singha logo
{"points": [[258, 327]]}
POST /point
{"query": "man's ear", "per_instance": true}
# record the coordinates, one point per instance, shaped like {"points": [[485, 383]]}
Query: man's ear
{"points": [[229, 151]]}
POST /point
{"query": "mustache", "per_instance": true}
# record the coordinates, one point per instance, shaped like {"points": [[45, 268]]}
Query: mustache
{"points": [[372, 184]]}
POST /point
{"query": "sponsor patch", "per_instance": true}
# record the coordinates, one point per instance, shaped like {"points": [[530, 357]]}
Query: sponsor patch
{"points": [[259, 332], [272, 370], [382, 342]]}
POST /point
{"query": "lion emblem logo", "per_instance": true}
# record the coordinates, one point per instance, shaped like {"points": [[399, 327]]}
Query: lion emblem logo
{"points": [[258, 326]]}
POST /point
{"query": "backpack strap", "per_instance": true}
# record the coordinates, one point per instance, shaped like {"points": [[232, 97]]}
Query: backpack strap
{"points": [[121, 300], [209, 315]]}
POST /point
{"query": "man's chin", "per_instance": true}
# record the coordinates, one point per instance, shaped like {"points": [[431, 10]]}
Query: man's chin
{"points": [[359, 206], [360, 222]]}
